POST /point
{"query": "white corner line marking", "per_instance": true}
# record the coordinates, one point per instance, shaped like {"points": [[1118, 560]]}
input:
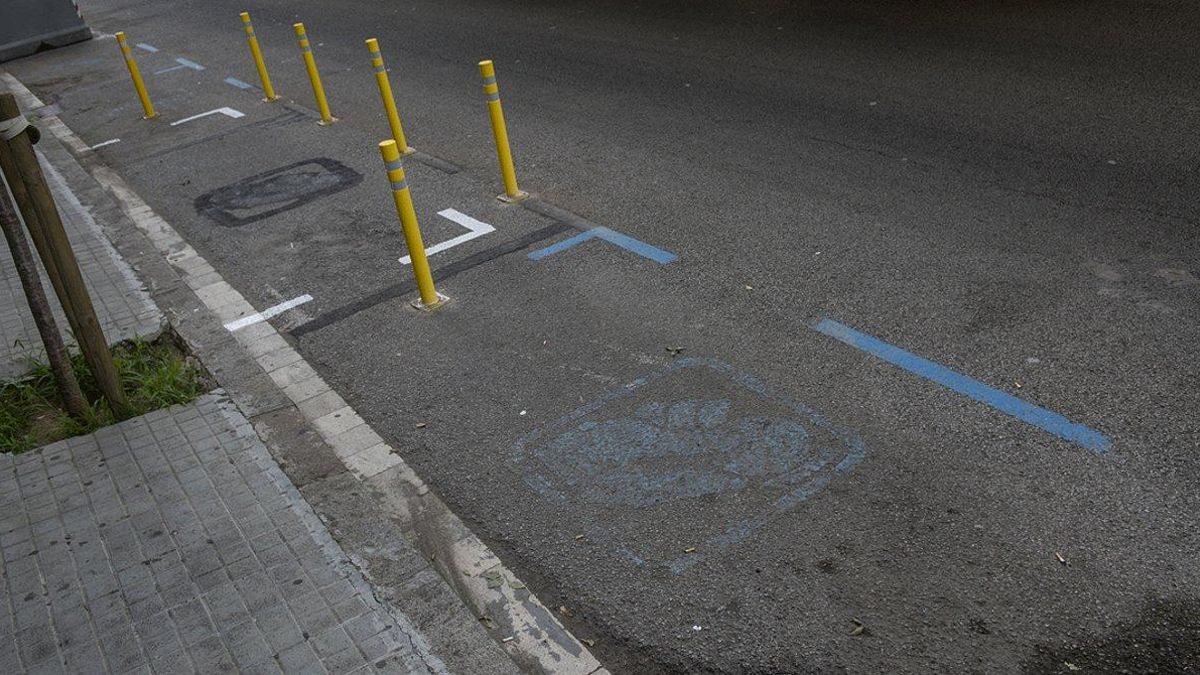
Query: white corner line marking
{"points": [[229, 112], [104, 143], [477, 228], [267, 313]]}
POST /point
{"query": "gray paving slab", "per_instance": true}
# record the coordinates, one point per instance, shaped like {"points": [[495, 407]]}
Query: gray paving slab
{"points": [[122, 303], [143, 548]]}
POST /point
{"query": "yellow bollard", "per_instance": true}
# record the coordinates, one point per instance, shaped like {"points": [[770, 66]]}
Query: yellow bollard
{"points": [[492, 91], [385, 92], [430, 298], [258, 59], [314, 77], [136, 74]]}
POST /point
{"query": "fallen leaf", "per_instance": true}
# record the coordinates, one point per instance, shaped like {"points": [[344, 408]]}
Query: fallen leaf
{"points": [[494, 579], [859, 627], [1071, 666], [1018, 384], [487, 621], [420, 425], [515, 583], [674, 351], [562, 609], [690, 549], [578, 537], [1060, 557], [590, 643]]}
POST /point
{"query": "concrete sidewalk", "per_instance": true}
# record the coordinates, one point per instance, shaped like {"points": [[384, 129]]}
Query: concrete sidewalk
{"points": [[171, 543], [122, 303]]}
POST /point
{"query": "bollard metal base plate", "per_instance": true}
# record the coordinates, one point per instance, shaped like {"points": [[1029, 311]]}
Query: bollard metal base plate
{"points": [[276, 97], [331, 121], [442, 299], [519, 197]]}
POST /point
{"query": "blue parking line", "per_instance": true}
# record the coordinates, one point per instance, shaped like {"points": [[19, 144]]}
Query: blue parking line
{"points": [[624, 241], [237, 83], [562, 245], [635, 246], [1052, 422], [146, 47]]}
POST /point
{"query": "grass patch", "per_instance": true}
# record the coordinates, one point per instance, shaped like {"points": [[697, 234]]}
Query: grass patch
{"points": [[154, 375]]}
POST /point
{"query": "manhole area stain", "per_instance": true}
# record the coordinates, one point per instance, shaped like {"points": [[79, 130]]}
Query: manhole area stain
{"points": [[695, 455]]}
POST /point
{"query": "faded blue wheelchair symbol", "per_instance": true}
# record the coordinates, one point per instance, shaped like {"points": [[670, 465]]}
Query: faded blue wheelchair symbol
{"points": [[646, 449]]}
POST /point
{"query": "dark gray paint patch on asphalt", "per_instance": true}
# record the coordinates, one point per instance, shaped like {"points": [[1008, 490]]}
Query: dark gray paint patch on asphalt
{"points": [[273, 192]]}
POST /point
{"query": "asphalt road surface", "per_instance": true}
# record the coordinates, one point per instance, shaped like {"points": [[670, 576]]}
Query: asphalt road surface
{"points": [[885, 362]]}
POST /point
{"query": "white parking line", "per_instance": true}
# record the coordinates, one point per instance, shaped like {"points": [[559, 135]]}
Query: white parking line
{"points": [[229, 112], [267, 313], [477, 228], [104, 143]]}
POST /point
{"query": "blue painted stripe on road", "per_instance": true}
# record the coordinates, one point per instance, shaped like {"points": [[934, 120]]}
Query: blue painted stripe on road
{"points": [[562, 245], [635, 246], [168, 70], [146, 47], [237, 83], [189, 64], [624, 241], [1027, 412]]}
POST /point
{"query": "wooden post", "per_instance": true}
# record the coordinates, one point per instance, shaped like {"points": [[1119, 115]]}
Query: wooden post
{"points": [[25, 206], [20, 165], [39, 307]]}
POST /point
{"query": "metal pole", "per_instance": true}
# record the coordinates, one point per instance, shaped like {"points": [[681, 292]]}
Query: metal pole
{"points": [[258, 58], [385, 92], [408, 221], [313, 76], [491, 91], [136, 74]]}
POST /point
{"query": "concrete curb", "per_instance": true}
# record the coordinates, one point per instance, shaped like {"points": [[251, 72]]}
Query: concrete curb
{"points": [[527, 631]]}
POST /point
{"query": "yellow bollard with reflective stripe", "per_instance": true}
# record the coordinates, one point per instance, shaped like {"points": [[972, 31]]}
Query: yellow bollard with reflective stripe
{"points": [[385, 92], [491, 91], [430, 298], [136, 74], [258, 59], [313, 76]]}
